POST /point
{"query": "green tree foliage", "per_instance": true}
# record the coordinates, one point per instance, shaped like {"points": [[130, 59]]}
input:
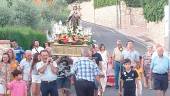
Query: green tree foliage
{"points": [[133, 3], [72, 1], [103, 3], [23, 35], [154, 9], [27, 13], [5, 13]]}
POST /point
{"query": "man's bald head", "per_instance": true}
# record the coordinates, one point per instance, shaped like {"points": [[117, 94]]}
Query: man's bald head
{"points": [[160, 51], [85, 52], [28, 54], [158, 45]]}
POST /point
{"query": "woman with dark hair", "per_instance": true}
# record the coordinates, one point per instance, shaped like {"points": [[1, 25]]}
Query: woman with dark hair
{"points": [[5, 73], [47, 44], [35, 87]]}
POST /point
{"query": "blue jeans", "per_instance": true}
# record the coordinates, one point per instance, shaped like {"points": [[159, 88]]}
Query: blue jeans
{"points": [[117, 66], [49, 88]]}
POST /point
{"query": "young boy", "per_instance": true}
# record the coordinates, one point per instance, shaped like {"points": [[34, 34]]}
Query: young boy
{"points": [[17, 87], [128, 80]]}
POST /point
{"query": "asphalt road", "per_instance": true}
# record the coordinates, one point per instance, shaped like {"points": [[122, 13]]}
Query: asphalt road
{"points": [[108, 37]]}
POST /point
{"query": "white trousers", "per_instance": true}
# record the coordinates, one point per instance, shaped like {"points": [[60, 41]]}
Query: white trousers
{"points": [[104, 79]]}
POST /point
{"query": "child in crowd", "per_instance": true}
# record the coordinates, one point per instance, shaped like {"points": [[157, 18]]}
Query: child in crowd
{"points": [[17, 87], [128, 80], [140, 72]]}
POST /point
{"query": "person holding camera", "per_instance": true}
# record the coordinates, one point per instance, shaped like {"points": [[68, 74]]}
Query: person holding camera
{"points": [[63, 77], [48, 74]]}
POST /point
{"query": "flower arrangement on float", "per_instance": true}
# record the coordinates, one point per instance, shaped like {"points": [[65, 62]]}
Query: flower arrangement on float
{"points": [[80, 37]]}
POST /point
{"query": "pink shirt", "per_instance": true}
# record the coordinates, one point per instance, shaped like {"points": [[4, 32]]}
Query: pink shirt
{"points": [[17, 88]]}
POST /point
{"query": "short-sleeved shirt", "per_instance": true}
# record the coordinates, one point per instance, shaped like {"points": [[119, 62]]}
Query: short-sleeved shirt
{"points": [[35, 71], [85, 69], [117, 53], [19, 53], [17, 88], [133, 56], [64, 69], [160, 65], [48, 75], [140, 72], [147, 63], [37, 50], [26, 67], [97, 57], [129, 79]]}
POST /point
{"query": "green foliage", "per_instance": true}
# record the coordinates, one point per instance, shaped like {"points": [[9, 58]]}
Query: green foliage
{"points": [[5, 13], [134, 3], [72, 1], [154, 9], [103, 3], [56, 11], [23, 35], [27, 13]]}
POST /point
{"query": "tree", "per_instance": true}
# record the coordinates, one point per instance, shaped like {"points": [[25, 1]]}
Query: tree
{"points": [[27, 13], [5, 13]]}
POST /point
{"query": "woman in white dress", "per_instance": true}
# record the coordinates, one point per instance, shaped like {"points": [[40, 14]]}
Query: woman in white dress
{"points": [[104, 54]]}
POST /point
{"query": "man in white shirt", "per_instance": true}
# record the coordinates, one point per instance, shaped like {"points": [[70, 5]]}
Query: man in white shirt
{"points": [[36, 47], [48, 74], [131, 53], [25, 65], [117, 57]]}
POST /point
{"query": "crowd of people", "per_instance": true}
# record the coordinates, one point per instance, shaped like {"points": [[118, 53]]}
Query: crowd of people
{"points": [[36, 72]]}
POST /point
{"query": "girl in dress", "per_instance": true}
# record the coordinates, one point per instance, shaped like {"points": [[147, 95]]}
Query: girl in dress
{"points": [[18, 87], [139, 70], [146, 64], [104, 54]]}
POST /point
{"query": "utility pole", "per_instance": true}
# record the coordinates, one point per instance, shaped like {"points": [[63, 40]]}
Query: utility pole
{"points": [[118, 14], [168, 28], [94, 12]]}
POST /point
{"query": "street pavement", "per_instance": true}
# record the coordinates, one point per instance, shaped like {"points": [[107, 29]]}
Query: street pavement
{"points": [[109, 36]]}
